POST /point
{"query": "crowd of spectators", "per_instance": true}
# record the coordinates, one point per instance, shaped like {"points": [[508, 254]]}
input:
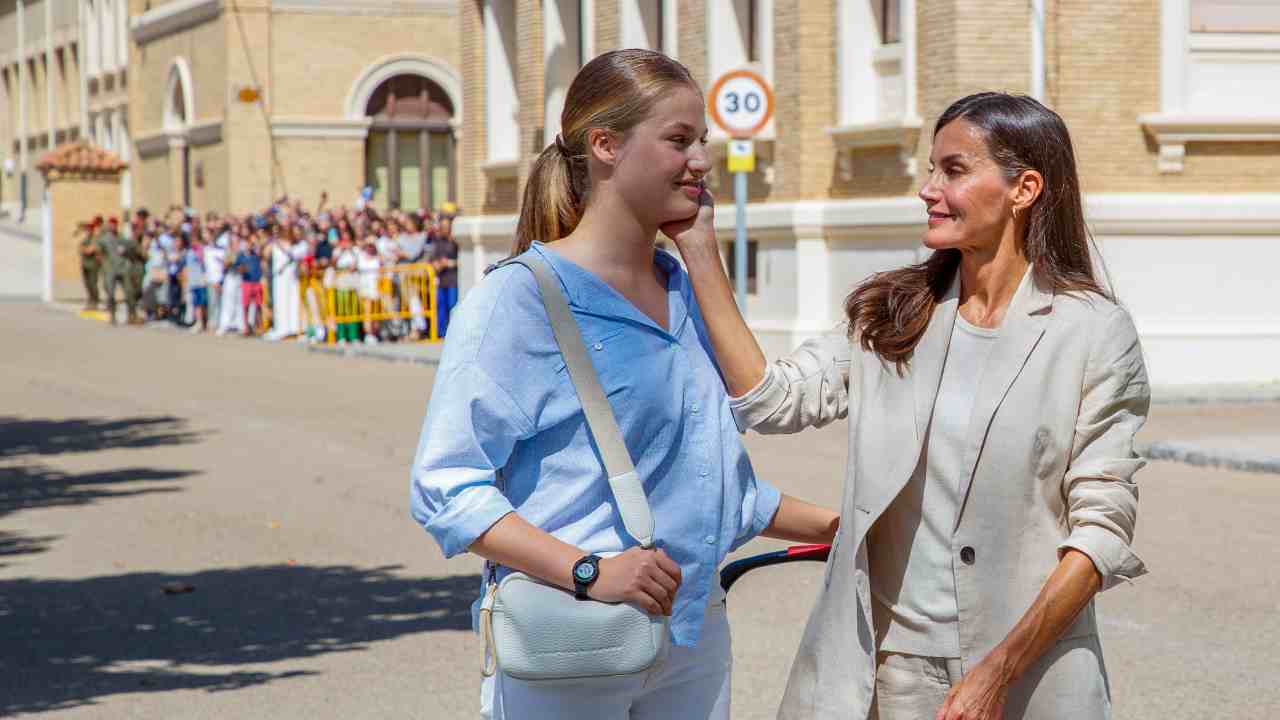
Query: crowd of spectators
{"points": [[269, 272]]}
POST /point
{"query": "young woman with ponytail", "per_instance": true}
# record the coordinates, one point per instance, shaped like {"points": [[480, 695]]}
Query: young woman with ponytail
{"points": [[993, 393], [506, 467]]}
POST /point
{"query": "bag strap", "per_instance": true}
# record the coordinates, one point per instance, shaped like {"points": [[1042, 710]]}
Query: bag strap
{"points": [[628, 491]]}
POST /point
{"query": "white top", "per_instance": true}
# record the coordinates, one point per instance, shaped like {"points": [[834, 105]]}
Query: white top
{"points": [[368, 265], [913, 584], [215, 262]]}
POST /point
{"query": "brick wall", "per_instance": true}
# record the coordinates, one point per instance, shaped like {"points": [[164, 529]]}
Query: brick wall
{"points": [[1107, 72]]}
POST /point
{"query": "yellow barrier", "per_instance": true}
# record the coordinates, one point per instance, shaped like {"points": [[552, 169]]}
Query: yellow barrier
{"points": [[351, 300]]}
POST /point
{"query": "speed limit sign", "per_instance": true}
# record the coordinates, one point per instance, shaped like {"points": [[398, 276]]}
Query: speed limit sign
{"points": [[741, 102]]}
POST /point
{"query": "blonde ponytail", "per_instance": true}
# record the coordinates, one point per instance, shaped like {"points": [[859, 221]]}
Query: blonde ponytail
{"points": [[553, 201]]}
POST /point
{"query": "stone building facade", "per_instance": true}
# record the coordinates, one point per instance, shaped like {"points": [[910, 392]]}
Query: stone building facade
{"points": [[239, 103], [63, 77], [1176, 127], [226, 105]]}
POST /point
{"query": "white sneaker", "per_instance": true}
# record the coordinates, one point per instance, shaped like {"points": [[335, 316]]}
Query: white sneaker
{"points": [[195, 330], [342, 342], [370, 339]]}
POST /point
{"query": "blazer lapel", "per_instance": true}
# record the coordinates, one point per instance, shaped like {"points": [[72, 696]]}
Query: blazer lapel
{"points": [[930, 356], [1023, 327]]}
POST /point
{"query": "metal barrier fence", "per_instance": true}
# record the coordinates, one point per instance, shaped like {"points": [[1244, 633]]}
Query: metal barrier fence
{"points": [[349, 302]]}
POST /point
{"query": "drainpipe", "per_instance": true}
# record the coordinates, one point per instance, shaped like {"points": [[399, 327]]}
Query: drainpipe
{"points": [[1037, 50]]}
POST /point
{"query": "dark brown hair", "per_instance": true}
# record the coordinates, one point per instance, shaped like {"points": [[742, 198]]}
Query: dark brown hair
{"points": [[888, 314], [615, 92]]}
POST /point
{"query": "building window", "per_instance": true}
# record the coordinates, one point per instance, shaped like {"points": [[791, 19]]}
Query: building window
{"points": [[502, 126], [873, 81], [648, 24], [1218, 64], [1233, 57], [409, 151], [566, 46], [738, 32], [731, 264], [888, 20]]}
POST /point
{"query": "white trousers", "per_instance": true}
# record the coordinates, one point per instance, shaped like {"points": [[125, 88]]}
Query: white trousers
{"points": [[232, 317], [286, 304], [688, 684]]}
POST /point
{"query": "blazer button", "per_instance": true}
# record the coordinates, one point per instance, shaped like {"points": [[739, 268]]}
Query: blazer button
{"points": [[967, 554]]}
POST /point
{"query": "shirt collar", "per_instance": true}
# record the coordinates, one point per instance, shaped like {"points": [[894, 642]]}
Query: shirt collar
{"points": [[591, 295]]}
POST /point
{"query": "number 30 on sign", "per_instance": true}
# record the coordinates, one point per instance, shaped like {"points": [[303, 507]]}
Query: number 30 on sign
{"points": [[741, 103]]}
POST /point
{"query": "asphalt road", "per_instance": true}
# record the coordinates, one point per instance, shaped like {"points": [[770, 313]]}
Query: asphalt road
{"points": [[199, 527]]}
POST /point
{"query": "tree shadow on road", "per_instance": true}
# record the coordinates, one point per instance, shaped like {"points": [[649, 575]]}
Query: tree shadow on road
{"points": [[29, 485], [67, 643], [26, 436]]}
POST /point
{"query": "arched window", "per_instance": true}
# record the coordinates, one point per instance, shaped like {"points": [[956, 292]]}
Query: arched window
{"points": [[178, 115], [409, 153]]}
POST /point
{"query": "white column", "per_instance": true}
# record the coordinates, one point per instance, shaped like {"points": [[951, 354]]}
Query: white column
{"points": [[1175, 26], [82, 16], [907, 36], [22, 105], [561, 53], [502, 134], [587, 30], [50, 70], [122, 41], [46, 244], [670, 28], [125, 152], [813, 283], [1037, 50]]}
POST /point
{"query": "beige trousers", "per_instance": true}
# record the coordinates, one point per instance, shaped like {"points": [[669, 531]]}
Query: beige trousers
{"points": [[911, 687]]}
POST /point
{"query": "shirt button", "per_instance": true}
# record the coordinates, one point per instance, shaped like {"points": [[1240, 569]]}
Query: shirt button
{"points": [[704, 472], [695, 408], [599, 346], [710, 539], [968, 555]]}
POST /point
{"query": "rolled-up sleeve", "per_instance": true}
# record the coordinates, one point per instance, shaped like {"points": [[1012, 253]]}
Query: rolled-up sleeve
{"points": [[471, 427], [809, 388], [759, 505], [1099, 487]]}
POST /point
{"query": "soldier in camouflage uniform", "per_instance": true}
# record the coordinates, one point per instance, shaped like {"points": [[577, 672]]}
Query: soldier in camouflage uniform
{"points": [[90, 262], [122, 255]]}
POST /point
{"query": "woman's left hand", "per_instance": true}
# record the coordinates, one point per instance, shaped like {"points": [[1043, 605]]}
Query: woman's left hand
{"points": [[980, 695], [697, 230]]}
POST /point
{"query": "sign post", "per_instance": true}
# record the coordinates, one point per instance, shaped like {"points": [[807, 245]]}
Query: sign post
{"points": [[741, 103]]}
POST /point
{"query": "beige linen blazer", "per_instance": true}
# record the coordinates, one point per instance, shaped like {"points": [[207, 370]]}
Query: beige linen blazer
{"points": [[1050, 453]]}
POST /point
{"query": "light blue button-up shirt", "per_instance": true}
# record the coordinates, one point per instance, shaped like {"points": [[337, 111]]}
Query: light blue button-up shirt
{"points": [[503, 400]]}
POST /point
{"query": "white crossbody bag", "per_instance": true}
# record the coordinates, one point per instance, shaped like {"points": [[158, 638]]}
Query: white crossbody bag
{"points": [[537, 632]]}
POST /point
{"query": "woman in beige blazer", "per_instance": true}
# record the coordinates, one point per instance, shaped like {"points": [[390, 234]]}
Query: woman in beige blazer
{"points": [[993, 392]]}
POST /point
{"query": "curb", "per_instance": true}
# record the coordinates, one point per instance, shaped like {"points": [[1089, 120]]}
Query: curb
{"points": [[1230, 393], [1199, 456], [428, 356]]}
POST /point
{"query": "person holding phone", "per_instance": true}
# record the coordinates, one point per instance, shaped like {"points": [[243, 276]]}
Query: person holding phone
{"points": [[993, 393]]}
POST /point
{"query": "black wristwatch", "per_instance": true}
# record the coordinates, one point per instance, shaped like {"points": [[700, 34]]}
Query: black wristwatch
{"points": [[585, 572]]}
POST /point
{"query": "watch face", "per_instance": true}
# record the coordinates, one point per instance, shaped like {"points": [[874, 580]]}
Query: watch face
{"points": [[585, 571]]}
